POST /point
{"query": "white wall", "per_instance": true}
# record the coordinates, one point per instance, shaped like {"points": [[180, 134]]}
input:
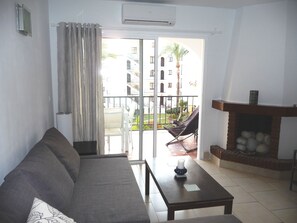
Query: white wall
{"points": [[263, 57], [25, 86], [258, 56], [191, 22], [288, 140]]}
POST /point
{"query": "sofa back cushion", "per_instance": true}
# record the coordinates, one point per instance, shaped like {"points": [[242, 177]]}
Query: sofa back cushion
{"points": [[47, 176], [61, 147], [16, 198]]}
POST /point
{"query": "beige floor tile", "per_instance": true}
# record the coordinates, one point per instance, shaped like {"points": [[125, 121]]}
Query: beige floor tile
{"points": [[274, 200], [158, 202], [281, 185], [224, 180], [186, 214], [151, 212], [253, 184], [201, 212], [235, 174], [240, 195], [162, 215], [287, 215], [254, 213]]}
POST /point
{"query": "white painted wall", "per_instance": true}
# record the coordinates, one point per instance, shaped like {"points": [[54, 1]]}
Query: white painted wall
{"points": [[258, 58], [25, 86], [191, 22], [288, 139], [263, 56]]}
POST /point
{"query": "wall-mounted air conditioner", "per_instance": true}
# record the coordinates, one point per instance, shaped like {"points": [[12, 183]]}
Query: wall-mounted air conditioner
{"points": [[145, 14]]}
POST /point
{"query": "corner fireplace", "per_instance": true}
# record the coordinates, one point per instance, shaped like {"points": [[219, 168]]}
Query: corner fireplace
{"points": [[253, 118]]}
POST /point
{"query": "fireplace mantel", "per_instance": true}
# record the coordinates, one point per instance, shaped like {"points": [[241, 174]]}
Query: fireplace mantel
{"points": [[270, 110]]}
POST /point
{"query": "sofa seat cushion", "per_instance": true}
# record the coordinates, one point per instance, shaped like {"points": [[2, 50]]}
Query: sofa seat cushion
{"points": [[45, 173], [106, 191], [61, 147]]}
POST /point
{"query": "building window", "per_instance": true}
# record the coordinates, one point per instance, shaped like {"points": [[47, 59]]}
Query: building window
{"points": [[161, 100], [170, 59], [162, 61], [169, 85], [152, 73], [162, 88], [170, 72], [151, 86], [128, 78], [152, 59], [162, 74], [128, 90], [128, 65]]}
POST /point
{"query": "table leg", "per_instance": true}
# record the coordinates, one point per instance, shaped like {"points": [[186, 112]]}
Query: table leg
{"points": [[147, 180], [228, 207], [170, 214]]}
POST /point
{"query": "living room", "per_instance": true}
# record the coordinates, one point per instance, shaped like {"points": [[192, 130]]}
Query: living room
{"points": [[253, 47]]}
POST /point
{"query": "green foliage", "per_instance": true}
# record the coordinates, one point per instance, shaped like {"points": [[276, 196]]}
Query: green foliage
{"points": [[174, 111], [178, 51]]}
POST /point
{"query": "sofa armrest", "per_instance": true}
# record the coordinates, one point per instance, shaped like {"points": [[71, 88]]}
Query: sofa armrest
{"points": [[86, 147]]}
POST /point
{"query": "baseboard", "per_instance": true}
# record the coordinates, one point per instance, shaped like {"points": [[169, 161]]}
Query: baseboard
{"points": [[284, 175]]}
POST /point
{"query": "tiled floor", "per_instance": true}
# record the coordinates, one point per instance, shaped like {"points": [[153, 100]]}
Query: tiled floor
{"points": [[256, 199]]}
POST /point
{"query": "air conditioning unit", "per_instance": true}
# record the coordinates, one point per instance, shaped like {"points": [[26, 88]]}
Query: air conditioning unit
{"points": [[145, 14]]}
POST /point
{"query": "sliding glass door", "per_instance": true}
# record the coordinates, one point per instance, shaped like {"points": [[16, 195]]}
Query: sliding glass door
{"points": [[148, 82]]}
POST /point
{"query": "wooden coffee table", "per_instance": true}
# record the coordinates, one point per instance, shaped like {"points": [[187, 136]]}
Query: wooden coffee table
{"points": [[173, 190]]}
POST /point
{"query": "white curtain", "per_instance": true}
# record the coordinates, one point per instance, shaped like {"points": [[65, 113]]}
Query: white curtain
{"points": [[79, 80]]}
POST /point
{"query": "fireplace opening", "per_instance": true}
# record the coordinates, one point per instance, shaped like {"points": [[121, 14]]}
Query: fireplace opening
{"points": [[254, 123], [253, 134]]}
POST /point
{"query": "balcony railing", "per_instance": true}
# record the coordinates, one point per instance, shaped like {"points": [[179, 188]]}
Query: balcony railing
{"points": [[166, 108]]}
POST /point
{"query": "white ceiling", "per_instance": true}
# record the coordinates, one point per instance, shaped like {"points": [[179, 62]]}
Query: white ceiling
{"points": [[233, 4]]}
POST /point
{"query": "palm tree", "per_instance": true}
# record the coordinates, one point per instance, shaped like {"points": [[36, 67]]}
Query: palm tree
{"points": [[178, 52]]}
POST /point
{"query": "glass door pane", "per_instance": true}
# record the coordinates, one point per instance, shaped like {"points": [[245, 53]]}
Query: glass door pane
{"points": [[128, 81]]}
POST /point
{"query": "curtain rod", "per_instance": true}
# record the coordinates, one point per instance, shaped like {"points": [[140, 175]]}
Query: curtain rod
{"points": [[215, 31], [57, 24]]}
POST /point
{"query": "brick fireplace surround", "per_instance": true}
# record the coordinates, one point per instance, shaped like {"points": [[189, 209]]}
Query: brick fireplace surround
{"points": [[257, 117]]}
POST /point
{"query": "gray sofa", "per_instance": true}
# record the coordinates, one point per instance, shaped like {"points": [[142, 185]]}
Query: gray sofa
{"points": [[97, 189], [88, 189]]}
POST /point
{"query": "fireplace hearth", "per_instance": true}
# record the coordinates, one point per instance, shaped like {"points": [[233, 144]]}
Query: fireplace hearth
{"points": [[253, 119]]}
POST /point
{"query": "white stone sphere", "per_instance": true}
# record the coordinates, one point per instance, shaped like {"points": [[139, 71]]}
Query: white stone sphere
{"points": [[246, 134], [260, 137], [251, 144], [241, 140], [241, 147], [262, 149]]}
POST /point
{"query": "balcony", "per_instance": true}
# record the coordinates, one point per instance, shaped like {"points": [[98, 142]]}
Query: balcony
{"points": [[166, 113], [166, 108]]}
